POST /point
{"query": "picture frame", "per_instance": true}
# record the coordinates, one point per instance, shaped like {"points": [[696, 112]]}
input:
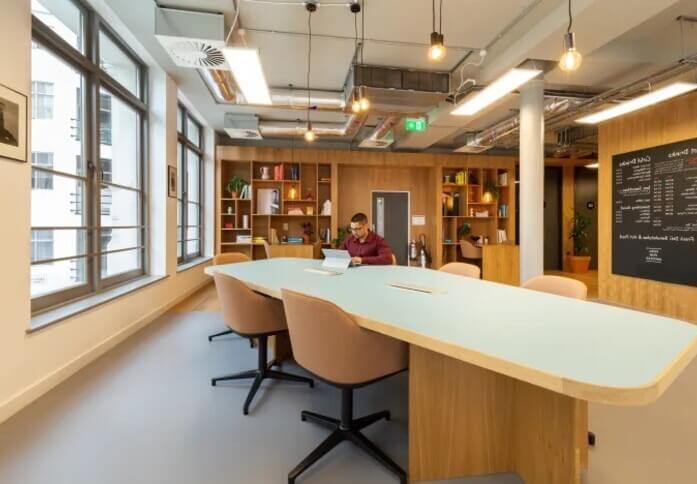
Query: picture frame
{"points": [[171, 181], [13, 124]]}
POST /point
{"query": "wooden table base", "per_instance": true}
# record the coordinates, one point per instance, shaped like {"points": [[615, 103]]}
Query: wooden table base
{"points": [[467, 421]]}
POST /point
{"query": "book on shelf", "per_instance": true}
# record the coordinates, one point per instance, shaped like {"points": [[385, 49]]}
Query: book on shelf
{"points": [[244, 239], [245, 193], [295, 240], [273, 239], [503, 178], [503, 210], [501, 236]]}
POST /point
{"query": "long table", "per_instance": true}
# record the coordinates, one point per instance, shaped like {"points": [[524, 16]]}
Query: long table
{"points": [[499, 376]]}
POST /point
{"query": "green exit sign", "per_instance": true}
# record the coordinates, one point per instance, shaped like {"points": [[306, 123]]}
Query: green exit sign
{"points": [[415, 124]]}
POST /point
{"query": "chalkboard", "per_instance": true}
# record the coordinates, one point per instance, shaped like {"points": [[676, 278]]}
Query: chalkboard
{"points": [[655, 213]]}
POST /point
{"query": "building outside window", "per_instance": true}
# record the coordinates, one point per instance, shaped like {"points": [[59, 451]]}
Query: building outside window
{"points": [[41, 100], [88, 196], [41, 179], [189, 187]]}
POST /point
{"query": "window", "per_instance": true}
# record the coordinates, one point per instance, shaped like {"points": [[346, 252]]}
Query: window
{"points": [[87, 201], [41, 179], [105, 119], [189, 183], [41, 245], [41, 100]]}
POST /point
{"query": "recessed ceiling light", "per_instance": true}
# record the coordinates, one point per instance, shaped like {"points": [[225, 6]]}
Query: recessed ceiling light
{"points": [[640, 102], [505, 84], [245, 65]]}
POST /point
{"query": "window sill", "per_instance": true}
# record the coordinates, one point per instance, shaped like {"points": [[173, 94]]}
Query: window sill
{"points": [[198, 261], [53, 316]]}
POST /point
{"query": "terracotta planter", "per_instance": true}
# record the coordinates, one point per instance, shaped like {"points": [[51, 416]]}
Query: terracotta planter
{"points": [[234, 195], [579, 263]]}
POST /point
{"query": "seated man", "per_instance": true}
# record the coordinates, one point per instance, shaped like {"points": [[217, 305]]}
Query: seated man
{"points": [[364, 246]]}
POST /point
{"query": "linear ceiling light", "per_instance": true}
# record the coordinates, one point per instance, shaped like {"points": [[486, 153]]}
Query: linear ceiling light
{"points": [[640, 102], [505, 84], [246, 68]]}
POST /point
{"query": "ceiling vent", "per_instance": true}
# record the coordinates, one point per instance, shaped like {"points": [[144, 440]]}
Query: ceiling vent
{"points": [[242, 126], [382, 143], [192, 39]]}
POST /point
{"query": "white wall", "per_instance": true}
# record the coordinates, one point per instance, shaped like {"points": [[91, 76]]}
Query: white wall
{"points": [[31, 364]]}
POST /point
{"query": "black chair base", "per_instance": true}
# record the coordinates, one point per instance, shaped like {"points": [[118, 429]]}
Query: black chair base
{"points": [[346, 429], [222, 333], [229, 331], [262, 372]]}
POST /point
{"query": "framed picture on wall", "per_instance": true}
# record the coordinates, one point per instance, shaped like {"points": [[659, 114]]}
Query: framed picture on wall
{"points": [[171, 181], [13, 124]]}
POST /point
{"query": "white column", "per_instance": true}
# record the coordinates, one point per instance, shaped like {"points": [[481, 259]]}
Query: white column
{"points": [[532, 173]]}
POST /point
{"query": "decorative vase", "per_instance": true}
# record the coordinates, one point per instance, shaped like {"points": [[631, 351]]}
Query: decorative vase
{"points": [[306, 238]]}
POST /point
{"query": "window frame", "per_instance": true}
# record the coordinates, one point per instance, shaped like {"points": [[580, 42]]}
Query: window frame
{"points": [[183, 184], [94, 79]]}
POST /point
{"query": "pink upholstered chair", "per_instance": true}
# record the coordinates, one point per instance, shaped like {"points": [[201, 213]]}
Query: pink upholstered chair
{"points": [[222, 259], [462, 269], [252, 315], [562, 286], [328, 343], [469, 250], [267, 248]]}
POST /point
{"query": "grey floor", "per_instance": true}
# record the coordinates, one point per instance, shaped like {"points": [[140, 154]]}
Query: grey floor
{"points": [[145, 413]]}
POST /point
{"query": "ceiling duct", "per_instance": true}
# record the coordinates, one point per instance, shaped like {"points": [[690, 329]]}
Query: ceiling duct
{"points": [[382, 136], [486, 139], [396, 90], [224, 90], [192, 39], [242, 126], [275, 129]]}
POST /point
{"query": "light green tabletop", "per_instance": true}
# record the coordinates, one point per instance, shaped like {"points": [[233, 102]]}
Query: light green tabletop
{"points": [[586, 350]]}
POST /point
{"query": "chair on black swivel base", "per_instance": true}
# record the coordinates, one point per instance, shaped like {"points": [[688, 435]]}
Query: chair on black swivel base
{"points": [[328, 343], [222, 259], [252, 315]]}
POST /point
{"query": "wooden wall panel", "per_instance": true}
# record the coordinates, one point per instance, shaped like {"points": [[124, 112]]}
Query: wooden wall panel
{"points": [[669, 122], [567, 212], [357, 182]]}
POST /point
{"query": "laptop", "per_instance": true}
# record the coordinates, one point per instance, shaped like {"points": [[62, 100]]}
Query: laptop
{"points": [[335, 261]]}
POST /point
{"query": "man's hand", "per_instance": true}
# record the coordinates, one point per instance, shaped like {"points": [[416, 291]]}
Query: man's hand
{"points": [[357, 260]]}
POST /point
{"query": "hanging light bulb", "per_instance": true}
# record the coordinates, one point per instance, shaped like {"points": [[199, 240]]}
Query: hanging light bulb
{"points": [[355, 104], [571, 58], [437, 50], [364, 102], [310, 135]]}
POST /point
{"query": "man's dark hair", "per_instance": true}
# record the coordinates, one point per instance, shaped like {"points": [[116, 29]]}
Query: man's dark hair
{"points": [[360, 217]]}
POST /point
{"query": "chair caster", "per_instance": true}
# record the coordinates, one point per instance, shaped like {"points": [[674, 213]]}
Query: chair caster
{"points": [[214, 383]]}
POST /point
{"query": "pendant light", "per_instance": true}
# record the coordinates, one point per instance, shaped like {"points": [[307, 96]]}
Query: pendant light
{"points": [[355, 100], [436, 52], [310, 135], [571, 58], [361, 103]]}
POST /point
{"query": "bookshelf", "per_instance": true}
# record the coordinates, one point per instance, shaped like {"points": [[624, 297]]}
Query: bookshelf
{"points": [[482, 197], [282, 197]]}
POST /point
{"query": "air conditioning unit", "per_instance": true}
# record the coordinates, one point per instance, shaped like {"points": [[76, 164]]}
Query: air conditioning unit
{"points": [[242, 126], [192, 39]]}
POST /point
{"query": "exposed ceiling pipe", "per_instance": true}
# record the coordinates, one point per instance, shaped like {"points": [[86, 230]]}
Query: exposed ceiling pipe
{"points": [[487, 138], [680, 67], [387, 124], [224, 89], [273, 129]]}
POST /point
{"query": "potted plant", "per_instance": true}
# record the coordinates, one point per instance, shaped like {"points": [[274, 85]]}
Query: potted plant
{"points": [[464, 230], [342, 232], [235, 186], [308, 231], [580, 260]]}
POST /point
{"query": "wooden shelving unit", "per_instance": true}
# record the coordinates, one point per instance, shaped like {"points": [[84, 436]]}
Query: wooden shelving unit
{"points": [[474, 201], [304, 186]]}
